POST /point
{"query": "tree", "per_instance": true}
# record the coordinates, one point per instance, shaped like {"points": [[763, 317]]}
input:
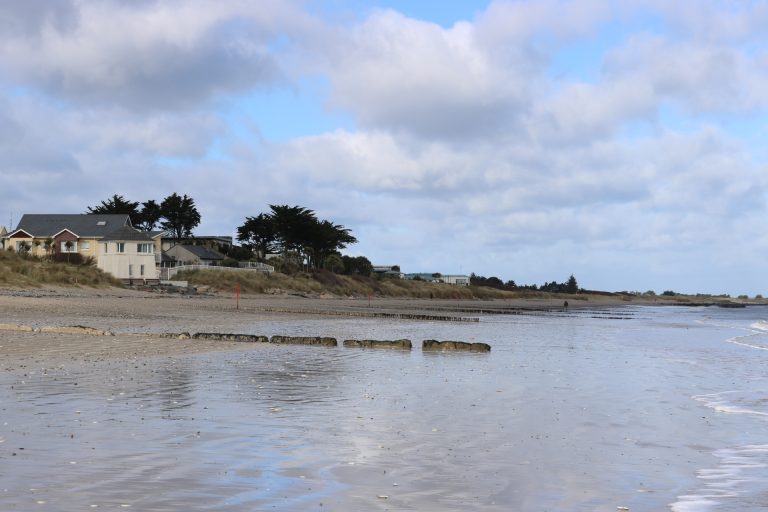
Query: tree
{"points": [[69, 245], [180, 215], [258, 234], [357, 265], [292, 225], [296, 232], [48, 246], [149, 216], [571, 286], [334, 263], [117, 204], [326, 238]]}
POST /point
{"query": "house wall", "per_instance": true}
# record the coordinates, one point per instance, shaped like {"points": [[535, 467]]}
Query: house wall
{"points": [[15, 240], [61, 239], [128, 264], [88, 247]]}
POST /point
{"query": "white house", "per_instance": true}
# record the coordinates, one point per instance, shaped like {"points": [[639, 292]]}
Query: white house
{"points": [[128, 254], [459, 280]]}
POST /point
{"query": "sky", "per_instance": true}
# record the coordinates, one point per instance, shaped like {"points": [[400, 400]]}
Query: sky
{"points": [[621, 142]]}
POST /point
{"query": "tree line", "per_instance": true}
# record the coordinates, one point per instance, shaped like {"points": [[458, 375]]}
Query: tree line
{"points": [[569, 286], [294, 232], [175, 214], [297, 233]]}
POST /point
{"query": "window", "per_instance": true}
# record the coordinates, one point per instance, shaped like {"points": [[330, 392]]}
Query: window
{"points": [[130, 270], [141, 270], [85, 245], [144, 248], [69, 246], [120, 247], [106, 248]]}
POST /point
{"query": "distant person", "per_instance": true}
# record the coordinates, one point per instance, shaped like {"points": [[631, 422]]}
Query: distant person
{"points": [[565, 304]]}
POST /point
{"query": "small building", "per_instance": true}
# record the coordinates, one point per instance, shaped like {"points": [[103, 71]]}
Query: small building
{"points": [[387, 271], [192, 255], [457, 280], [128, 254]]}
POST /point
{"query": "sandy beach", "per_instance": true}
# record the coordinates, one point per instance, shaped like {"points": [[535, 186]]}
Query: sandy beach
{"points": [[127, 314], [594, 408]]}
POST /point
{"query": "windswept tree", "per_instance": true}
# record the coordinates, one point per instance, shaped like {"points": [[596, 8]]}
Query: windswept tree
{"points": [[117, 204], [296, 232], [293, 226], [258, 234], [180, 215], [325, 239], [149, 216]]}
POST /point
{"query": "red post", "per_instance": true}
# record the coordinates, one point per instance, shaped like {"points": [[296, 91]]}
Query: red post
{"points": [[237, 295]]}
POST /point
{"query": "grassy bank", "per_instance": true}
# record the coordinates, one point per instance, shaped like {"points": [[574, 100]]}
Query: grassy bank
{"points": [[323, 282], [26, 272]]}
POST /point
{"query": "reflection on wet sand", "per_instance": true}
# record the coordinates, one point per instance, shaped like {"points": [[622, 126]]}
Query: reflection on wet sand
{"points": [[566, 413]]}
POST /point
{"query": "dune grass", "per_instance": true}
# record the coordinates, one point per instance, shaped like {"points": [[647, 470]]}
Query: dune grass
{"points": [[323, 281], [28, 272]]}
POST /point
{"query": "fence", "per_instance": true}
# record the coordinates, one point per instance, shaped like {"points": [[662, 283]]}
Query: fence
{"points": [[168, 273]]}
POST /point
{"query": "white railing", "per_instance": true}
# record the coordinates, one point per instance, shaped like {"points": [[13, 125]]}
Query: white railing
{"points": [[168, 273]]}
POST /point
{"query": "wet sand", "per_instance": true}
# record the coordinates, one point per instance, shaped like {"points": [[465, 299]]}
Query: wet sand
{"points": [[590, 410], [126, 310]]}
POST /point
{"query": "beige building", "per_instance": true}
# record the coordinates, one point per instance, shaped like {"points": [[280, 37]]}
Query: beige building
{"points": [[110, 240], [50, 234], [128, 254]]}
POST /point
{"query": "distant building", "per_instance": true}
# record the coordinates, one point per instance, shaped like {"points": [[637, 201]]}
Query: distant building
{"points": [[457, 280], [191, 255], [217, 243], [388, 270]]}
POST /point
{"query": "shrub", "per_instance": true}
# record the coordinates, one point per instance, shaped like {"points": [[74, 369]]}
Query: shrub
{"points": [[668, 293], [334, 263]]}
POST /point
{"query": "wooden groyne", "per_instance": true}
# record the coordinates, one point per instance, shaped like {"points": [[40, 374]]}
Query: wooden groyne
{"points": [[367, 314], [321, 341], [454, 346], [394, 344], [304, 340]]}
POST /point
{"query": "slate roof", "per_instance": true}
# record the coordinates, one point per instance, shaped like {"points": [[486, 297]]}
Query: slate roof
{"points": [[127, 233], [91, 225], [203, 252]]}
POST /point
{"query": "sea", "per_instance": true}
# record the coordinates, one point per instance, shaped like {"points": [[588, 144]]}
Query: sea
{"points": [[631, 408]]}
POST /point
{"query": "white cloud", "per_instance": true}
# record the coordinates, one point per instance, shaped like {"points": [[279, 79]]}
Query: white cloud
{"points": [[146, 55], [468, 154], [397, 73]]}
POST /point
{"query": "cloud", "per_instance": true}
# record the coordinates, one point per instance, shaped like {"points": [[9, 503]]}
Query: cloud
{"points": [[147, 55], [468, 153], [397, 73]]}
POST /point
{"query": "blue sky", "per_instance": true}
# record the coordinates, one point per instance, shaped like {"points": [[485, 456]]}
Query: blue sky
{"points": [[527, 139]]}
